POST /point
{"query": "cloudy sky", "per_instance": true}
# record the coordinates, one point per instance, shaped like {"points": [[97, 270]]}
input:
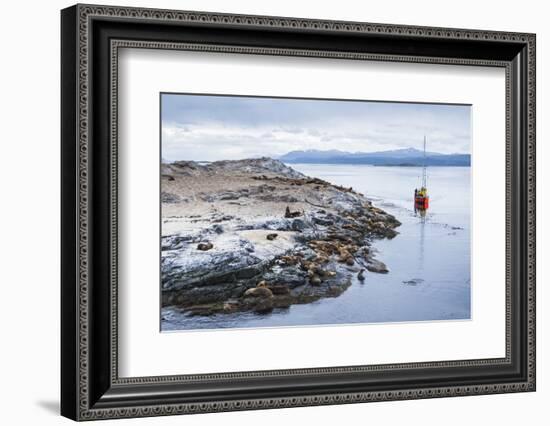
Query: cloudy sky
{"points": [[210, 128]]}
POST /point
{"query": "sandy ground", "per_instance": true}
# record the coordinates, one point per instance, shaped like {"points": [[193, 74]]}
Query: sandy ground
{"points": [[200, 197], [191, 189]]}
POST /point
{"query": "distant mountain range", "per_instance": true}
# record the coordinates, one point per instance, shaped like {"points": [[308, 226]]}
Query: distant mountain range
{"points": [[397, 157]]}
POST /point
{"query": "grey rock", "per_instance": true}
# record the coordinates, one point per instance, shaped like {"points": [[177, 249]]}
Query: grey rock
{"points": [[223, 218], [414, 281], [276, 225], [298, 225], [374, 265], [279, 289], [206, 197], [169, 198], [323, 221], [260, 305], [217, 228], [279, 198], [291, 276], [229, 196]]}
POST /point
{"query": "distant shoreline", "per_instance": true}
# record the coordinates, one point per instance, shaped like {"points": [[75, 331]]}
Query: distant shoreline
{"points": [[401, 157], [408, 157], [204, 162]]}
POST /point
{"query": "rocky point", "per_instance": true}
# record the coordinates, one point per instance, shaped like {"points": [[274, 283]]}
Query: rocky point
{"points": [[255, 235]]}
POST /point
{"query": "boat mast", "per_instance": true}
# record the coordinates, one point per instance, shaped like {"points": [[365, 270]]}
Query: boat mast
{"points": [[424, 166]]}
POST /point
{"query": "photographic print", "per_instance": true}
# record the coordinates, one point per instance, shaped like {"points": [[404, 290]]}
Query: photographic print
{"points": [[309, 212]]}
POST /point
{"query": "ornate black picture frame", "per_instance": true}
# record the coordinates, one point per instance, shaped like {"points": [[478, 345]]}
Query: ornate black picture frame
{"points": [[91, 36]]}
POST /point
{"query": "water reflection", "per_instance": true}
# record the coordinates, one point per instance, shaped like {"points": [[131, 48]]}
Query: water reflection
{"points": [[421, 213]]}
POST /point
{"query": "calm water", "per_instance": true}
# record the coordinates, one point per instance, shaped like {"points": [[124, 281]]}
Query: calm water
{"points": [[429, 261]]}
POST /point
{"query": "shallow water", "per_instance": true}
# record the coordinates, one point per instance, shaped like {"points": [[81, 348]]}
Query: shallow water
{"points": [[429, 261]]}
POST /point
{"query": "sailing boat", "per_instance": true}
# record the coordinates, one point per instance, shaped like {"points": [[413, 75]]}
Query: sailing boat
{"points": [[421, 197]]}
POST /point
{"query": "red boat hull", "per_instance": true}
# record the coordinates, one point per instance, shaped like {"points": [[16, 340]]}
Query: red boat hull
{"points": [[422, 202]]}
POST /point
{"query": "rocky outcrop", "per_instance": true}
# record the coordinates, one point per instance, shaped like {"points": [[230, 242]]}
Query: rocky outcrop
{"points": [[249, 250], [253, 166]]}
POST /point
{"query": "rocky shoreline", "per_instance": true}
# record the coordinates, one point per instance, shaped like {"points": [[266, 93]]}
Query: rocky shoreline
{"points": [[255, 235]]}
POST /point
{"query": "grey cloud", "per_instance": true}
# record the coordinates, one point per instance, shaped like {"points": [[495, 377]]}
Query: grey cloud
{"points": [[213, 127]]}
